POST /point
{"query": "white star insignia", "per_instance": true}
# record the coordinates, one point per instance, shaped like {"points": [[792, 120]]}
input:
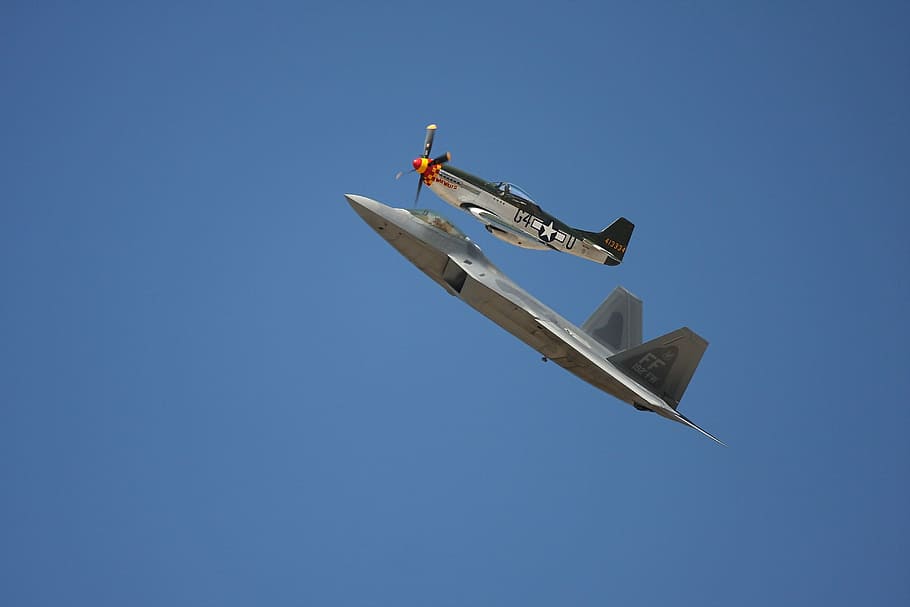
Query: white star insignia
{"points": [[547, 232]]}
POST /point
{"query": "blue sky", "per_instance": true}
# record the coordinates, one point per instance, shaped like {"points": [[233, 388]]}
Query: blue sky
{"points": [[218, 386]]}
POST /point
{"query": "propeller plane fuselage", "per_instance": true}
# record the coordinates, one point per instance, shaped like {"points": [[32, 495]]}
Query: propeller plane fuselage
{"points": [[510, 214]]}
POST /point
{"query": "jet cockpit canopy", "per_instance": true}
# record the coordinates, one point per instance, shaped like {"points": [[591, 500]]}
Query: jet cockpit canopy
{"points": [[437, 221]]}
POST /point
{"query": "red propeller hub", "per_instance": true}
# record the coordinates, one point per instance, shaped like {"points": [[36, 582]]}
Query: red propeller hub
{"points": [[420, 164]]}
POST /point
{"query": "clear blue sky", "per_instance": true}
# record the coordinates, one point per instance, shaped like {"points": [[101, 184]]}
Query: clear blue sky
{"points": [[219, 387]]}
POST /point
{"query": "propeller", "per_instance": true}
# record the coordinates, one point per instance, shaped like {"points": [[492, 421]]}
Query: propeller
{"points": [[425, 163], [428, 142]]}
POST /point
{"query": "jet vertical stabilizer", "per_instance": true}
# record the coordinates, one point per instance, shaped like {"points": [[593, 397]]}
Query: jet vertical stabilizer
{"points": [[616, 323]]}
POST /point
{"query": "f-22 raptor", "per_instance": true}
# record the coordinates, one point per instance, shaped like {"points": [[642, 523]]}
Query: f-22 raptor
{"points": [[606, 351]]}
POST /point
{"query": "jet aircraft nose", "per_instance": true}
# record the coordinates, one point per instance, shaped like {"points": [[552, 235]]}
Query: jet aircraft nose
{"points": [[356, 200], [365, 207], [377, 215]]}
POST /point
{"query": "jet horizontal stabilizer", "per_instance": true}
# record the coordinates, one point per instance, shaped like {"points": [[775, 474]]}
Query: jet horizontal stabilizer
{"points": [[665, 364]]}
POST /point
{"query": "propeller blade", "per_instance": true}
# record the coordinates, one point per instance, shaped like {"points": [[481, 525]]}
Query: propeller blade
{"points": [[419, 185], [442, 159], [428, 142]]}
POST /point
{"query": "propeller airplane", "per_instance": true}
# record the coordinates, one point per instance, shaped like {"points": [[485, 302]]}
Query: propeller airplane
{"points": [[510, 214]]}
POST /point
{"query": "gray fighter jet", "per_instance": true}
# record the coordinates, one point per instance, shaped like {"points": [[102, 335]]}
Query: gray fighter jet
{"points": [[606, 351]]}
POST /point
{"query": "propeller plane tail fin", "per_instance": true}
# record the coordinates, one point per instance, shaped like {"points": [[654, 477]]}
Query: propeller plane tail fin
{"points": [[614, 239]]}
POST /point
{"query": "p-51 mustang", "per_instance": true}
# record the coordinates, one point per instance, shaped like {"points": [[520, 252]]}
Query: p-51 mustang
{"points": [[509, 214]]}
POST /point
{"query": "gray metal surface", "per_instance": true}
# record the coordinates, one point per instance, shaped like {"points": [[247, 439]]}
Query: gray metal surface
{"points": [[651, 376], [616, 323]]}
